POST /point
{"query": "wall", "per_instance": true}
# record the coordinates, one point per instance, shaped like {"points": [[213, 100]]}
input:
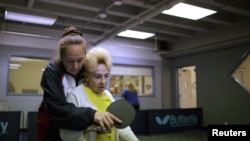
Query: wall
{"points": [[123, 53], [221, 98]]}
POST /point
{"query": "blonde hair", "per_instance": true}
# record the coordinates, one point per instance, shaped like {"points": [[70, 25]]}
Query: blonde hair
{"points": [[131, 87], [70, 36], [96, 56]]}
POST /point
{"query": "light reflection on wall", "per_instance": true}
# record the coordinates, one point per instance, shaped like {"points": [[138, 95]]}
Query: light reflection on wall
{"points": [[242, 73]]}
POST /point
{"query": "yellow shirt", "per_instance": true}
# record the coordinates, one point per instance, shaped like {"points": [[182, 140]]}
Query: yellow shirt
{"points": [[101, 102]]}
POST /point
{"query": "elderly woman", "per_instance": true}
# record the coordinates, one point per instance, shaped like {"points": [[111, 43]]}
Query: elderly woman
{"points": [[93, 93]]}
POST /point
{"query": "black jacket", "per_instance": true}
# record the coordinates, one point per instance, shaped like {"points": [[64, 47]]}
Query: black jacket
{"points": [[62, 114]]}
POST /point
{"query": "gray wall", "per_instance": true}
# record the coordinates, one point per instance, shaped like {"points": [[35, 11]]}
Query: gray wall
{"points": [[222, 99]]}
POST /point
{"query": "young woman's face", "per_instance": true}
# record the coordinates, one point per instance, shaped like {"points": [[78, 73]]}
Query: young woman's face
{"points": [[98, 80], [73, 59]]}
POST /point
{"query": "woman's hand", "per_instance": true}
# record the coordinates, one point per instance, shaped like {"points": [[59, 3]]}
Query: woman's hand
{"points": [[106, 120]]}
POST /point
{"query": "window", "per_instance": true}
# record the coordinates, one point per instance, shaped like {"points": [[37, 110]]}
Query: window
{"points": [[25, 75], [140, 76]]}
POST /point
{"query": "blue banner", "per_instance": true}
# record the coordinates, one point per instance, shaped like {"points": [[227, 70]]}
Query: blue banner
{"points": [[160, 121], [9, 126], [169, 120]]}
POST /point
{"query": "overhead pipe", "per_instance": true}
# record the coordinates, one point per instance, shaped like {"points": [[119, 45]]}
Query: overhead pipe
{"points": [[158, 9], [208, 47]]}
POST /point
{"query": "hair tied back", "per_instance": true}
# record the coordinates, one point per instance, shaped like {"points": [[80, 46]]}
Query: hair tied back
{"points": [[71, 30]]}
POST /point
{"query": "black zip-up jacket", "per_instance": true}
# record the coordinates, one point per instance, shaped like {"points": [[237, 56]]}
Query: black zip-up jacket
{"points": [[62, 114]]}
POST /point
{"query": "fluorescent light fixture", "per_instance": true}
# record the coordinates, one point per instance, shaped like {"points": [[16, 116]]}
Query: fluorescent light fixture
{"points": [[188, 11], [27, 18], [135, 34]]}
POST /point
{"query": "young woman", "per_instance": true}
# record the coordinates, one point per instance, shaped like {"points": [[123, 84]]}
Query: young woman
{"points": [[93, 94], [55, 112]]}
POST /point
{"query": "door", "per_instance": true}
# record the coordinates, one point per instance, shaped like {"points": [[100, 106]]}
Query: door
{"points": [[187, 87]]}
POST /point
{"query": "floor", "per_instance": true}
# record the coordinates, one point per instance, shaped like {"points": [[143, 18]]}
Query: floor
{"points": [[193, 135]]}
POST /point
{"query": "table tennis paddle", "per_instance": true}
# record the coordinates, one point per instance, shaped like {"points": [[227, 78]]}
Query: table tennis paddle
{"points": [[124, 111]]}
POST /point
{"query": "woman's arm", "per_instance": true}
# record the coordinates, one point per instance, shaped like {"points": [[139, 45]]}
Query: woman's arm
{"points": [[64, 115]]}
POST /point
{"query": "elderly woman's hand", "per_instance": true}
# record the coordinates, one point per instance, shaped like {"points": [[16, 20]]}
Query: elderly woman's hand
{"points": [[106, 120]]}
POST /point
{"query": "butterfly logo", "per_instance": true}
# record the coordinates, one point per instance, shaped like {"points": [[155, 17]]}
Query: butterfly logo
{"points": [[163, 121]]}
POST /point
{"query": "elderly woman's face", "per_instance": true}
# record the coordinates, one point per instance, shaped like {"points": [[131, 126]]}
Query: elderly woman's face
{"points": [[98, 80]]}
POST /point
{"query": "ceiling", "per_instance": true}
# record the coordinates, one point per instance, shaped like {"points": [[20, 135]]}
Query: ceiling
{"points": [[141, 15]]}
